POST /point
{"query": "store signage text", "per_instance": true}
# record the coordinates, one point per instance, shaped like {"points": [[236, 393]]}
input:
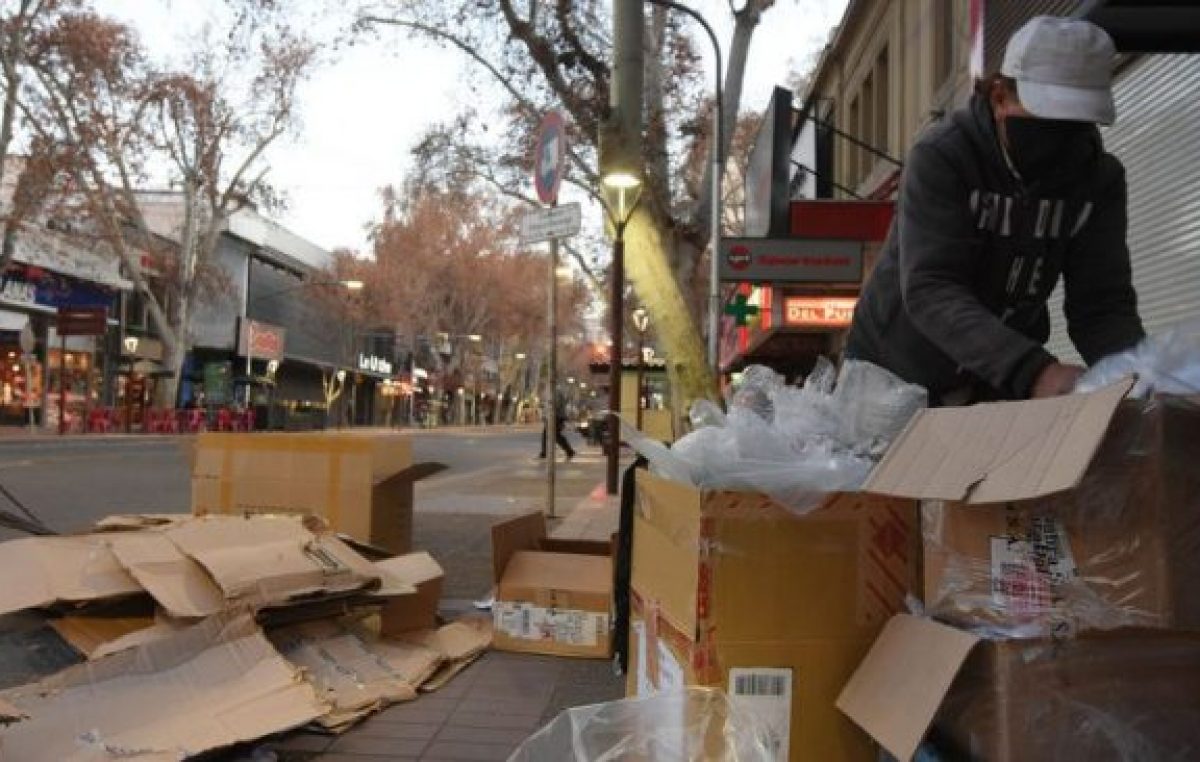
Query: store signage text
{"points": [[373, 364], [818, 311], [783, 260], [266, 341]]}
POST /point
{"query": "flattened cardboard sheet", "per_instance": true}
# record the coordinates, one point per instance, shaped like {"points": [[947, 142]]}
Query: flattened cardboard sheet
{"points": [[209, 686]]}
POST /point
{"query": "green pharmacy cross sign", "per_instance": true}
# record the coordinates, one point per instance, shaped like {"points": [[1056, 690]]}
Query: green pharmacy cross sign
{"points": [[740, 310]]}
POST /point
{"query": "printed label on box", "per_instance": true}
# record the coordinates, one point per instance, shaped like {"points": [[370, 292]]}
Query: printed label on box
{"points": [[670, 673], [1029, 563], [766, 693], [567, 626]]}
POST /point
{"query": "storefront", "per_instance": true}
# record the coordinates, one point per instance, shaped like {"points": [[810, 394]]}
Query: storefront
{"points": [[83, 366], [372, 399]]}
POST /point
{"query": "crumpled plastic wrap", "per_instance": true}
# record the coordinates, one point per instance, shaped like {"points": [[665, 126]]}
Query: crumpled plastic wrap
{"points": [[691, 725], [1166, 363], [1121, 549], [795, 444]]}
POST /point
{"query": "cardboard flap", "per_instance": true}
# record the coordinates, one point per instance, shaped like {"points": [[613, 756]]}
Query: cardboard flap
{"points": [[67, 569], [414, 473], [896, 691], [998, 452], [522, 533], [413, 568]]}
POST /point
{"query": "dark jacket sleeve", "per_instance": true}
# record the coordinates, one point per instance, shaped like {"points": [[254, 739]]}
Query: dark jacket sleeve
{"points": [[1100, 304], [938, 259]]}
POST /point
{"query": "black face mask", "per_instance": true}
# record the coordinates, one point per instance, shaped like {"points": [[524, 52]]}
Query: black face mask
{"points": [[1037, 146]]}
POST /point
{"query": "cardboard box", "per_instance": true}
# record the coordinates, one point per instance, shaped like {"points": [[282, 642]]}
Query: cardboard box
{"points": [[420, 610], [734, 590], [1118, 695], [205, 687], [552, 596], [361, 484], [1053, 516]]}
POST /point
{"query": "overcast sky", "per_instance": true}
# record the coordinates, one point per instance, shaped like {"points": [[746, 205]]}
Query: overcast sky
{"points": [[362, 114]]}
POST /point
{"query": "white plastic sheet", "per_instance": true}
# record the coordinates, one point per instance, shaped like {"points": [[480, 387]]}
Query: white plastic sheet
{"points": [[690, 725], [795, 444], [1166, 363]]}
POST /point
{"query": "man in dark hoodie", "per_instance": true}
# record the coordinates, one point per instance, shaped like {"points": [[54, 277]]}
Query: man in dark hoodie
{"points": [[996, 203]]}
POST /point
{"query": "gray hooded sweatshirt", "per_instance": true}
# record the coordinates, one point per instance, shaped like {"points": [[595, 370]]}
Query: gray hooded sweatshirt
{"points": [[958, 297]]}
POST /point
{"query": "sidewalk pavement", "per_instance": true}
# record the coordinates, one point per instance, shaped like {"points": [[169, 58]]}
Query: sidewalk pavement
{"points": [[488, 710]]}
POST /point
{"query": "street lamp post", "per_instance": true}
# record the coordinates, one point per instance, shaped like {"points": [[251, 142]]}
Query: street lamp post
{"points": [[714, 283], [622, 190], [641, 321]]}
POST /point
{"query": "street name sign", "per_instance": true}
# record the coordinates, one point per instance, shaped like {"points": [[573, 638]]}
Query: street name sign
{"points": [[550, 223], [82, 321]]}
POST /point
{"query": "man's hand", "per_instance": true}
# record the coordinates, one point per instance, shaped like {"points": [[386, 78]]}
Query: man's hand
{"points": [[1055, 380]]}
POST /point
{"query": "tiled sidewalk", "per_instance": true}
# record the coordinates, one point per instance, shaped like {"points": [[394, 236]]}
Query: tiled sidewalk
{"points": [[483, 714]]}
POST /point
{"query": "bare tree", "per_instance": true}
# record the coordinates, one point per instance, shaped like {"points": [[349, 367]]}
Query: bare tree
{"points": [[554, 55]]}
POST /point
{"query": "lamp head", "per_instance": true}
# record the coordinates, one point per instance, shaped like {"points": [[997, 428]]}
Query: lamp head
{"points": [[352, 285], [641, 319], [622, 190]]}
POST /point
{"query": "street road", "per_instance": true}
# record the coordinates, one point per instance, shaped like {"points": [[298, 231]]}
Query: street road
{"points": [[72, 483]]}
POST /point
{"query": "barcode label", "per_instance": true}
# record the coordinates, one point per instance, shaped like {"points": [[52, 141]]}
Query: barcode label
{"points": [[766, 693], [759, 685]]}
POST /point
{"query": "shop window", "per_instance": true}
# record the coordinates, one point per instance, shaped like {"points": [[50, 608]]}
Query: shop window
{"points": [[880, 138]]}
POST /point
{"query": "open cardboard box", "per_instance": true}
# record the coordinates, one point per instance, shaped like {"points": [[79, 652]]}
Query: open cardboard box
{"points": [[552, 596], [733, 590], [360, 484], [1117, 485], [1118, 695], [1048, 517]]}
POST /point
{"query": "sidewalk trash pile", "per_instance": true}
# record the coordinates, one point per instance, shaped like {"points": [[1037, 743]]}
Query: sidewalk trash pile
{"points": [[692, 725], [1051, 547], [198, 633], [1166, 363], [793, 443]]}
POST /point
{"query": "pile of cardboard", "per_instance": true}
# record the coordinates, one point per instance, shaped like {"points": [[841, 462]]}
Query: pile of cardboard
{"points": [[201, 632], [1066, 531]]}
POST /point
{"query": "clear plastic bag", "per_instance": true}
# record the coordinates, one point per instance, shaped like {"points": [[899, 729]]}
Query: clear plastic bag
{"points": [[796, 444], [1167, 363], [691, 725]]}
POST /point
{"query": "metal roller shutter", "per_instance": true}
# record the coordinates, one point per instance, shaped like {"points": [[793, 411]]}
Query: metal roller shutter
{"points": [[1003, 17], [1157, 138]]}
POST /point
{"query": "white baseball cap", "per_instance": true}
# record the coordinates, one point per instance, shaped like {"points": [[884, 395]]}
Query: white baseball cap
{"points": [[1063, 68]]}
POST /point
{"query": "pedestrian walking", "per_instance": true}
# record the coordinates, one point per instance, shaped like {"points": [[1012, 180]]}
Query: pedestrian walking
{"points": [[560, 420]]}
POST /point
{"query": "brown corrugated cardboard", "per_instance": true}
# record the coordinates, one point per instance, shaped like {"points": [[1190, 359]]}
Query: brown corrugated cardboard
{"points": [[896, 691], [206, 687], [87, 634], [412, 612], [552, 596], [60, 569], [998, 452], [178, 583], [734, 590], [1119, 695], [348, 672], [362, 484], [1120, 548], [194, 568]]}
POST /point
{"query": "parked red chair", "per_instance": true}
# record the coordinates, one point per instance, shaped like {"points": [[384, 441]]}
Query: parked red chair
{"points": [[224, 419], [100, 421]]}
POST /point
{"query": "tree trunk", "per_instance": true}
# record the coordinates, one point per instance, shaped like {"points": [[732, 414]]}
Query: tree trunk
{"points": [[648, 242]]}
